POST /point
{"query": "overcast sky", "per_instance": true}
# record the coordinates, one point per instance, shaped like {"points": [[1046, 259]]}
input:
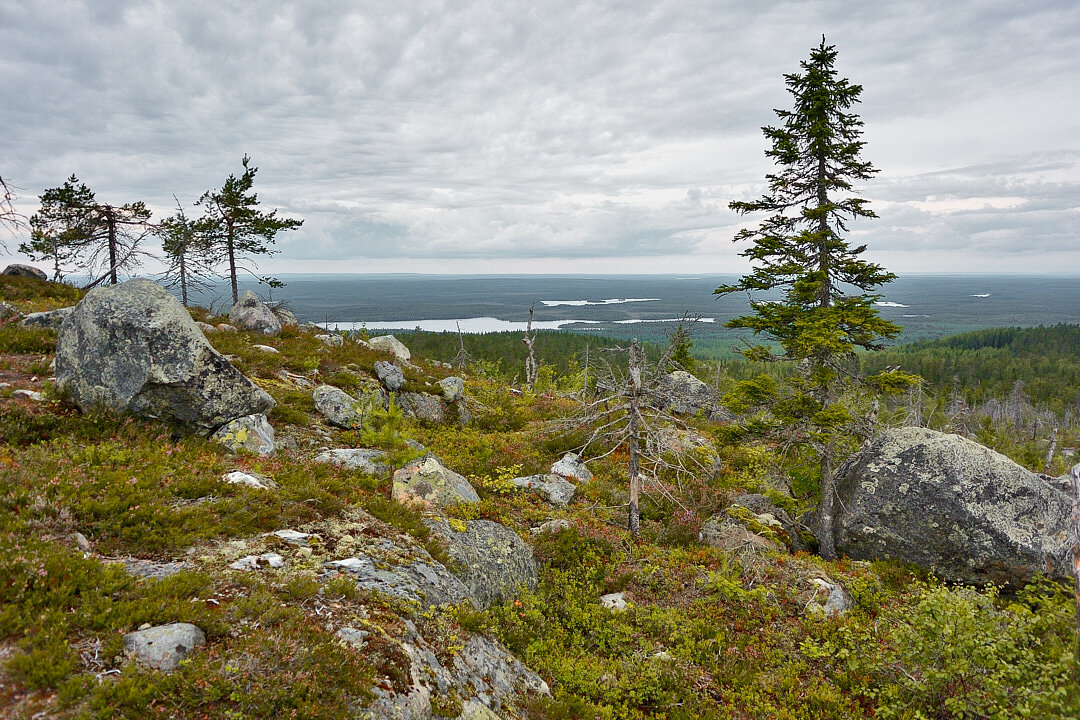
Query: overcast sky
{"points": [[521, 136]]}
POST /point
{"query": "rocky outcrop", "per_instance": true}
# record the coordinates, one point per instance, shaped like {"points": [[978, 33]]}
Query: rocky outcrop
{"points": [[163, 647], [390, 344], [50, 319], [952, 506], [133, 347], [429, 480], [489, 558], [422, 580], [481, 676], [250, 313], [453, 389], [20, 270], [556, 489]]}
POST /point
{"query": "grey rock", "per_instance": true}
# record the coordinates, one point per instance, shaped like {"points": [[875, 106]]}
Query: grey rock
{"points": [[20, 270], [284, 316], [337, 406], [205, 327], [684, 394], [49, 319], [353, 636], [332, 340], [7, 310], [464, 414], [226, 327], [239, 477], [300, 381], [829, 598], [729, 534], [267, 349], [422, 579], [81, 542], [254, 562], [952, 506], [423, 406], [551, 526], [366, 460], [250, 313], [428, 479], [786, 532], [572, 466], [492, 561], [251, 433], [29, 395], [134, 347], [163, 647], [389, 375], [390, 344], [150, 569], [295, 537], [553, 488], [453, 389]]}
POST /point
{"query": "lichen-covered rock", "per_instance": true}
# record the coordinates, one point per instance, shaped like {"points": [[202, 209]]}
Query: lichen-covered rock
{"points": [[366, 460], [7, 311], [284, 316], [761, 516], [733, 536], [251, 433], [333, 340], [389, 375], [390, 344], [51, 319], [492, 561], [205, 327], [133, 347], [20, 270], [163, 647], [556, 489], [952, 506], [421, 579], [828, 598], [572, 466], [423, 406], [251, 313], [453, 389], [431, 481], [684, 394], [337, 406]]}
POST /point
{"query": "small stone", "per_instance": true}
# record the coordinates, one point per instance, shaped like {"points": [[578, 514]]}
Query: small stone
{"points": [[331, 340], [352, 636], [829, 599], [163, 647], [205, 327], [614, 601], [29, 395], [553, 488], [238, 477], [294, 537], [226, 327], [551, 526], [267, 349], [81, 542], [251, 433]]}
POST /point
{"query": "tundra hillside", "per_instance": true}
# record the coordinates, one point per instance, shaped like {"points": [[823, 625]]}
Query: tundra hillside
{"points": [[395, 537]]}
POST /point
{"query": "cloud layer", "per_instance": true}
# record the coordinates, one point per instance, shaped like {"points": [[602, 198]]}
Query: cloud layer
{"points": [[560, 136]]}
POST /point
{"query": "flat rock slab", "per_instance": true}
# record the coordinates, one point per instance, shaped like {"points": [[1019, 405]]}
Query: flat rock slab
{"points": [[492, 561], [50, 319], [366, 460], [428, 583], [150, 569], [163, 647]]}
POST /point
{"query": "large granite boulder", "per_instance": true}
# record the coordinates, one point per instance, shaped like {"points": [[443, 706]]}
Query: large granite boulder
{"points": [[950, 505], [489, 558], [20, 270], [431, 481], [133, 347], [251, 313]]}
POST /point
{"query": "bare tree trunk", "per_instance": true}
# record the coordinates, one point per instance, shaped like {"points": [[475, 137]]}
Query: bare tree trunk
{"points": [[633, 522], [183, 278], [531, 369], [462, 356], [585, 382], [1051, 451], [1074, 542], [110, 218], [232, 263], [826, 541]]}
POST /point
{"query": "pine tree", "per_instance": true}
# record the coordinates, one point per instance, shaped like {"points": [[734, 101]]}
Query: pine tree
{"points": [[73, 227], [233, 226], [800, 251], [186, 254]]}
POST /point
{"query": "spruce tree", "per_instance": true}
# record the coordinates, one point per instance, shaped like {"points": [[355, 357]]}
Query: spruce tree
{"points": [[186, 254], [819, 308], [233, 227]]}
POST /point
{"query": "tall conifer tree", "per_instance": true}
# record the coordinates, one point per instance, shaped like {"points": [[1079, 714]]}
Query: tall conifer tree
{"points": [[825, 306]]}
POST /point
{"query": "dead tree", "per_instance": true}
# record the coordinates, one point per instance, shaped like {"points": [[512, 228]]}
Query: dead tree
{"points": [[1074, 547], [531, 368], [462, 358]]}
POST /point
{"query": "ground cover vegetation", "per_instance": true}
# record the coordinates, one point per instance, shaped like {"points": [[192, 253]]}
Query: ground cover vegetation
{"points": [[708, 632]]}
